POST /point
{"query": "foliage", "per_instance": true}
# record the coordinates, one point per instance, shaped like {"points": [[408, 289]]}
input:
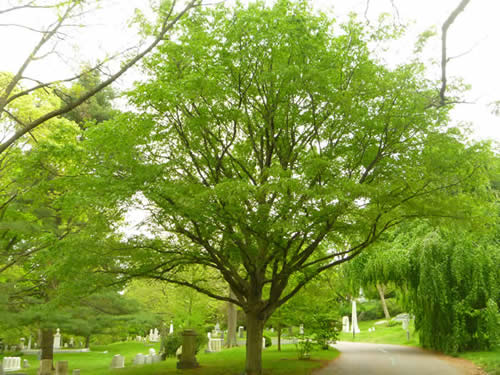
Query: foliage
{"points": [[170, 344], [268, 341], [304, 347], [453, 286], [270, 146], [325, 328]]}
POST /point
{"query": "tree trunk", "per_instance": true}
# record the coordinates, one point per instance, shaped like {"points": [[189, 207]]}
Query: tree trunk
{"points": [[255, 328], [381, 290], [279, 336], [47, 343], [232, 322], [87, 341]]}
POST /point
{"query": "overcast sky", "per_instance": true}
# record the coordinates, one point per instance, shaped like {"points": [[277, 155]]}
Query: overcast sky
{"points": [[476, 32]]}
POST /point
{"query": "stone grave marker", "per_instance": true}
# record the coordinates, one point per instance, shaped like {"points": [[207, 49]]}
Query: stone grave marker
{"points": [[188, 355], [57, 339], [11, 363], [345, 324], [62, 368], [139, 359], [76, 371], [240, 331], [118, 361], [26, 363], [301, 329]]}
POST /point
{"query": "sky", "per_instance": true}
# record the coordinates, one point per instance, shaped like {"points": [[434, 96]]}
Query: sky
{"points": [[475, 34]]}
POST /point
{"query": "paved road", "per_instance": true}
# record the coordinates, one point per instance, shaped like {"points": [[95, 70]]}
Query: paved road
{"points": [[381, 359]]}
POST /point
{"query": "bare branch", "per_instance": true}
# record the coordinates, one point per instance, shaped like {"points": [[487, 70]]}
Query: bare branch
{"points": [[444, 60]]}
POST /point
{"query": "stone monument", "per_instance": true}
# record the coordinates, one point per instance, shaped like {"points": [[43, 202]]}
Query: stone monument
{"points": [[354, 318], [57, 339], [62, 368], [118, 361], [188, 355], [345, 324]]}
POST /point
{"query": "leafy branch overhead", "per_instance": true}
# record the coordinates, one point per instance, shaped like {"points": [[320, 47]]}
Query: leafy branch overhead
{"points": [[66, 11]]}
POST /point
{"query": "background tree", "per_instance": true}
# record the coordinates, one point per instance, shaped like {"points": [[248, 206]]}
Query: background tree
{"points": [[269, 144], [65, 14]]}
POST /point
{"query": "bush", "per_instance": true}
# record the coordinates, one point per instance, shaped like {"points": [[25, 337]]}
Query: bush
{"points": [[269, 342], [170, 344], [304, 347]]}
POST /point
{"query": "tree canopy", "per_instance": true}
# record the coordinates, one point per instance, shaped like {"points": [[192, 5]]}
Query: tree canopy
{"points": [[269, 143]]}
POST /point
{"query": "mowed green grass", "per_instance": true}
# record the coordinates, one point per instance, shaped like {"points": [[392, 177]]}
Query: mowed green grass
{"points": [[383, 334], [226, 362]]}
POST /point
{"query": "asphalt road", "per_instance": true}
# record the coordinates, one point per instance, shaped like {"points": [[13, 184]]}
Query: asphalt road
{"points": [[382, 359]]}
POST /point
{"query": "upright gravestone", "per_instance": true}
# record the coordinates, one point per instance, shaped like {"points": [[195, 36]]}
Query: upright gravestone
{"points": [[29, 343], [57, 339], [171, 328], [71, 342], [62, 368], [139, 359], [26, 363], [345, 324], [188, 355], [405, 323], [240, 331], [118, 361], [354, 319], [21, 345], [301, 329]]}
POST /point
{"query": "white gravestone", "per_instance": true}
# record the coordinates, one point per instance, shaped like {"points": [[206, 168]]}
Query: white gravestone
{"points": [[171, 329], [71, 342], [152, 351], [345, 324], [139, 359], [11, 363], [405, 324], [29, 343], [26, 363], [57, 339], [354, 318], [301, 329], [240, 331], [157, 335], [118, 361], [148, 359], [263, 343], [22, 343]]}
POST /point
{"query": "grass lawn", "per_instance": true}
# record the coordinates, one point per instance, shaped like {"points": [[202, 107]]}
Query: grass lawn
{"points": [[226, 362], [382, 335]]}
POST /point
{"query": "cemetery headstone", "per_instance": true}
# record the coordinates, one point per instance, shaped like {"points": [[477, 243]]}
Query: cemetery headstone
{"points": [[71, 342], [148, 359], [354, 319], [345, 324], [188, 355], [22, 343], [152, 351], [11, 363], [29, 343], [301, 329], [240, 331], [57, 339], [62, 368], [118, 361], [217, 328], [171, 329], [405, 324], [139, 359], [26, 363], [76, 371], [263, 343]]}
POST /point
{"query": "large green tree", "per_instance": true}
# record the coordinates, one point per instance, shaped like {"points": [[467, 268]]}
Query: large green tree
{"points": [[270, 146]]}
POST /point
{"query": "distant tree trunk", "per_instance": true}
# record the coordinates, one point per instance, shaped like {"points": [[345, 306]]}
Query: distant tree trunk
{"points": [[255, 328], [232, 322], [87, 341], [47, 343], [381, 291], [278, 328]]}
